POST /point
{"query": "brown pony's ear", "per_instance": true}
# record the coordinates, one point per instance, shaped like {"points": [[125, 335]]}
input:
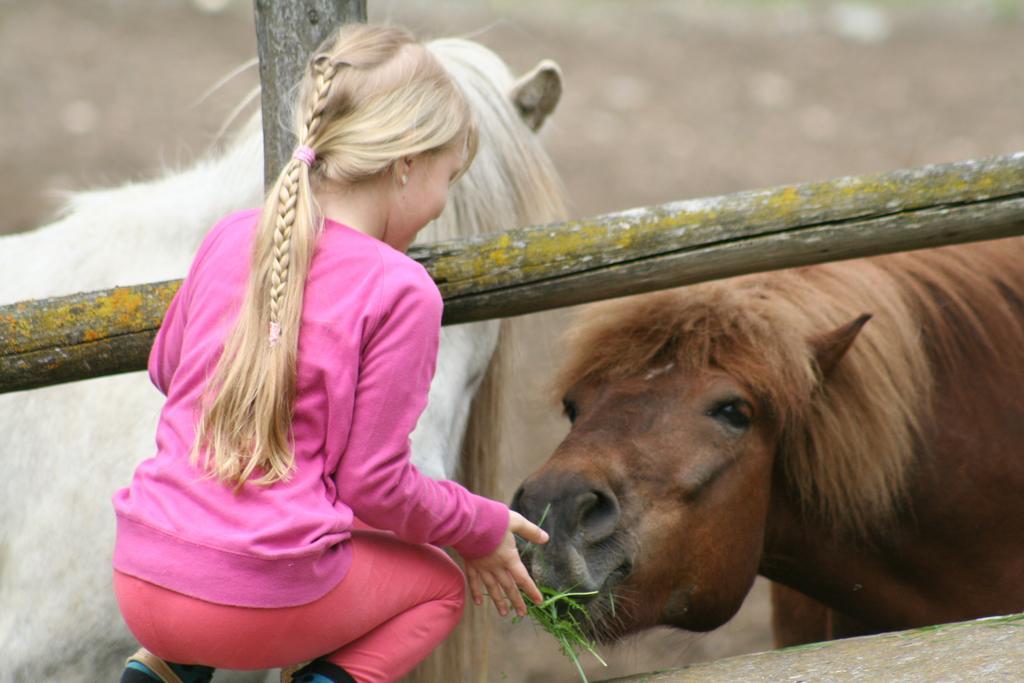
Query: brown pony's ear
{"points": [[536, 94], [830, 347]]}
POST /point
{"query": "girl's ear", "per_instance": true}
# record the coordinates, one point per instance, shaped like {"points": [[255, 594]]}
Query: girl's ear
{"points": [[401, 170]]}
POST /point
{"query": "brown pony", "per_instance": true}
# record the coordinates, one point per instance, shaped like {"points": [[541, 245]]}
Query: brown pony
{"points": [[853, 431]]}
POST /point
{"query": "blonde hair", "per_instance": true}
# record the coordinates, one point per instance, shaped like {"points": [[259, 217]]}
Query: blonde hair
{"points": [[370, 96]]}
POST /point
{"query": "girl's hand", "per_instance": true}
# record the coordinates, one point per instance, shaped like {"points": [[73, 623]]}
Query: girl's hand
{"points": [[503, 573]]}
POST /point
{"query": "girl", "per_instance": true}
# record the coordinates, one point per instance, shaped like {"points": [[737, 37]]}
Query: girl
{"points": [[296, 359]]}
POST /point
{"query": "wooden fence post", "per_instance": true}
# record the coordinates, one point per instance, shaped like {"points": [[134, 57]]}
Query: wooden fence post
{"points": [[287, 31]]}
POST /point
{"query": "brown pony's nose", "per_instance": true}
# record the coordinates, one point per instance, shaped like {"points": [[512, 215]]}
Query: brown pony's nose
{"points": [[573, 508]]}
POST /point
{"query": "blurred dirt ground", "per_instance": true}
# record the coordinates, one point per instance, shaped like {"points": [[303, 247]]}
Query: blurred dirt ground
{"points": [[664, 100]]}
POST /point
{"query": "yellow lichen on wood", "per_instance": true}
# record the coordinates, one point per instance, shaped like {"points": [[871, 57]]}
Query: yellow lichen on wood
{"points": [[534, 268], [638, 232], [84, 318]]}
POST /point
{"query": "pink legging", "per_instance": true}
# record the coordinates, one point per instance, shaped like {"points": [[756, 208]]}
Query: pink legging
{"points": [[395, 605]]}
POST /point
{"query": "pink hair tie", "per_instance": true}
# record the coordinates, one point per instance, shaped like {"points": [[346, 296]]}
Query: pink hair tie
{"points": [[304, 154], [275, 334]]}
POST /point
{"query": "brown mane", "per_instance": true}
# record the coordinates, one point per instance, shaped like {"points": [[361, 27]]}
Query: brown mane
{"points": [[848, 443]]}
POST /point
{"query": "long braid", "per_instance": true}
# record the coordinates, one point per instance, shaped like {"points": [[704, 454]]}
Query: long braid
{"points": [[325, 70], [286, 200], [288, 197]]}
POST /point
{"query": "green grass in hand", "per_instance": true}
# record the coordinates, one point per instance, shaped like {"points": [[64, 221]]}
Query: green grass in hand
{"points": [[561, 615], [557, 614]]}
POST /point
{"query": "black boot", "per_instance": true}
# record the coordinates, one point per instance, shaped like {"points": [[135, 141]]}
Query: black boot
{"points": [[146, 667], [322, 671]]}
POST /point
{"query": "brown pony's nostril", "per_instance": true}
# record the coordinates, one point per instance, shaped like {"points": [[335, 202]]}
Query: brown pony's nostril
{"points": [[529, 506], [597, 514], [517, 501], [575, 509]]}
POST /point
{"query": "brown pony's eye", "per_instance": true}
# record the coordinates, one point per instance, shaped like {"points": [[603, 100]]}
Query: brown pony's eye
{"points": [[734, 412], [570, 410]]}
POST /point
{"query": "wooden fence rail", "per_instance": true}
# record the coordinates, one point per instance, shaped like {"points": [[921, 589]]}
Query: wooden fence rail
{"points": [[542, 267], [990, 649]]}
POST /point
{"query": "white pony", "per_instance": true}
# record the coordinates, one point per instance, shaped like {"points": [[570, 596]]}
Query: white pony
{"points": [[65, 449]]}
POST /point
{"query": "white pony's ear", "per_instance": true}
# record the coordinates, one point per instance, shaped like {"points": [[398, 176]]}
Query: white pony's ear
{"points": [[537, 93]]}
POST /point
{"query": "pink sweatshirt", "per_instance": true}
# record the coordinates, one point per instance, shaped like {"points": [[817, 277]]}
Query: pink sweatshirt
{"points": [[367, 349]]}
